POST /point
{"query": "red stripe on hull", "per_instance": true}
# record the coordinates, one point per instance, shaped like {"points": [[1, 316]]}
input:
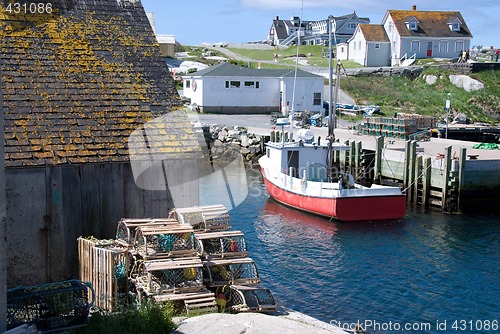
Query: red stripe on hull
{"points": [[344, 208]]}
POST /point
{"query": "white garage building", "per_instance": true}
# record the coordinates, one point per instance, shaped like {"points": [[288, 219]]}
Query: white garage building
{"points": [[231, 89]]}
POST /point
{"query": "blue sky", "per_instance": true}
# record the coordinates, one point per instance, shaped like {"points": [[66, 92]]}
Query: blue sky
{"points": [[237, 21]]}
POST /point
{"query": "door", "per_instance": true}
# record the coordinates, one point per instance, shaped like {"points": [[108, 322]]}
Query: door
{"points": [[429, 49], [293, 163]]}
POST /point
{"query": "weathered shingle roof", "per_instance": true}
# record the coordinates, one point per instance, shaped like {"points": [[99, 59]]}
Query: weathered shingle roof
{"points": [[430, 23], [374, 32], [77, 82], [230, 70]]}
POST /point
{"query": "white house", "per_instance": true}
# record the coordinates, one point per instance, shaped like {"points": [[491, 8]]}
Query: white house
{"points": [[343, 51], [231, 89], [370, 46], [426, 34], [284, 32]]}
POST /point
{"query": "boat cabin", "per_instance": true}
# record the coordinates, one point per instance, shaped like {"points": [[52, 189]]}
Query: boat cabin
{"points": [[308, 160]]}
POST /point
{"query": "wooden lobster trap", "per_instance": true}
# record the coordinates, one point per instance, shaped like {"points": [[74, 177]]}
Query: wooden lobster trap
{"points": [[230, 271], [105, 264], [203, 218], [226, 244], [246, 298], [125, 231], [155, 241], [179, 280]]}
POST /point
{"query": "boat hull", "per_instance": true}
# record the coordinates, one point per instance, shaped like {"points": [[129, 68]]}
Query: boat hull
{"points": [[342, 208]]}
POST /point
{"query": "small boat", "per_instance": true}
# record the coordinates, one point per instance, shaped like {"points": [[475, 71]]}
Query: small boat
{"points": [[300, 173], [296, 174]]}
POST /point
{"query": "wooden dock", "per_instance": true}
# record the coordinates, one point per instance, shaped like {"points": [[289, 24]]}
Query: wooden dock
{"points": [[447, 174]]}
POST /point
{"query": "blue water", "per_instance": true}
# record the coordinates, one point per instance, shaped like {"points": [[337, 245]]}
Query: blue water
{"points": [[420, 271]]}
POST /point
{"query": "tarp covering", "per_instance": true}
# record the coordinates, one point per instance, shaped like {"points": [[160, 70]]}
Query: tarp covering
{"points": [[486, 146]]}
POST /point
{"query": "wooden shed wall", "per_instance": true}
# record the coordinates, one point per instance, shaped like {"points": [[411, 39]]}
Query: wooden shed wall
{"points": [[49, 208]]}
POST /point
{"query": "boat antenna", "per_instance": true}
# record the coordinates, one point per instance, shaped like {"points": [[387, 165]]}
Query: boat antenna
{"points": [[292, 111], [332, 105]]}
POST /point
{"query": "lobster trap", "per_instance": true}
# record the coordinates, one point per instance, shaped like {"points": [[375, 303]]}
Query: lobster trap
{"points": [[158, 277], [242, 298], [105, 264], [50, 307], [230, 271], [154, 241], [203, 218], [125, 232], [227, 244]]}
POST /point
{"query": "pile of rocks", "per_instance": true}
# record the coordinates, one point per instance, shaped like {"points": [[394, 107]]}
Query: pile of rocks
{"points": [[226, 143]]}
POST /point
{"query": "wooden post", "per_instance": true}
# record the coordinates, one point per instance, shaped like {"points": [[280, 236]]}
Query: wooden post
{"points": [[379, 146], [352, 159], [426, 180], [461, 171], [358, 158], [406, 166], [3, 226], [411, 170], [418, 170], [446, 177]]}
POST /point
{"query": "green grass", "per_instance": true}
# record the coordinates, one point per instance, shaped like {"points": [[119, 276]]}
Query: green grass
{"points": [[287, 55], [151, 318], [400, 94]]}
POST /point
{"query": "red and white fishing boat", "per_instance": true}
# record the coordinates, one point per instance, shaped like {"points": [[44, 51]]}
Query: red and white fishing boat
{"points": [[296, 174], [300, 174]]}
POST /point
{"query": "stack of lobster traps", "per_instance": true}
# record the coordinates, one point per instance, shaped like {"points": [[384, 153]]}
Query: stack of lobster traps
{"points": [[227, 269], [165, 264], [191, 258]]}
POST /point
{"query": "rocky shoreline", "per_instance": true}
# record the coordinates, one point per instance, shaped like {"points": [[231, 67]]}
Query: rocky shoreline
{"points": [[227, 142]]}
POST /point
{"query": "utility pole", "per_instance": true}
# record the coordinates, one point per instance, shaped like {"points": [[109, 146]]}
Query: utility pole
{"points": [[447, 108]]}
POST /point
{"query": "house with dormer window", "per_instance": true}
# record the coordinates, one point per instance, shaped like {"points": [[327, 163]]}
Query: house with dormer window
{"points": [[425, 34], [284, 32]]}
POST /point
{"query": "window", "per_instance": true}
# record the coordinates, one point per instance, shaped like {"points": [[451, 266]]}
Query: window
{"points": [[233, 84], [354, 44], [456, 26], [316, 99], [413, 25], [459, 46], [188, 83], [360, 45], [443, 46], [351, 26], [415, 46], [251, 84], [377, 45]]}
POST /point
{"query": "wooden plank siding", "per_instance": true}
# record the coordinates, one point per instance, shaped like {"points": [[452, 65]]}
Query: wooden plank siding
{"points": [[70, 201]]}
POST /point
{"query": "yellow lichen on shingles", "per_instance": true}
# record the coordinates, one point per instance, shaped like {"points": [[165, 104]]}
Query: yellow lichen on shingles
{"points": [[74, 60]]}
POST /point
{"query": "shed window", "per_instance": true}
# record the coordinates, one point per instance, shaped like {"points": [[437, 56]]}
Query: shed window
{"points": [[233, 84], [317, 99], [251, 84], [377, 45]]}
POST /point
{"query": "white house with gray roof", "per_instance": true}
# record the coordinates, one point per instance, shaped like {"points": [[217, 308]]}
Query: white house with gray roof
{"points": [[231, 89]]}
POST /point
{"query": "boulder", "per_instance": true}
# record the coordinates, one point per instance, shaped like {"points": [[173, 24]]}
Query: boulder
{"points": [[430, 79], [466, 82]]}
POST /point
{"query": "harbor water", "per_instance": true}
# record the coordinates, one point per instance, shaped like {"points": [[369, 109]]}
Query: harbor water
{"points": [[428, 272]]}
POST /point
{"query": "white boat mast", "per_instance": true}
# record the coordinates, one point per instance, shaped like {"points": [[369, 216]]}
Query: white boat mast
{"points": [[292, 111]]}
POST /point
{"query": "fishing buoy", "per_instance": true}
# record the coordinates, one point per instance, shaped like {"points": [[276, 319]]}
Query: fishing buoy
{"points": [[190, 273]]}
